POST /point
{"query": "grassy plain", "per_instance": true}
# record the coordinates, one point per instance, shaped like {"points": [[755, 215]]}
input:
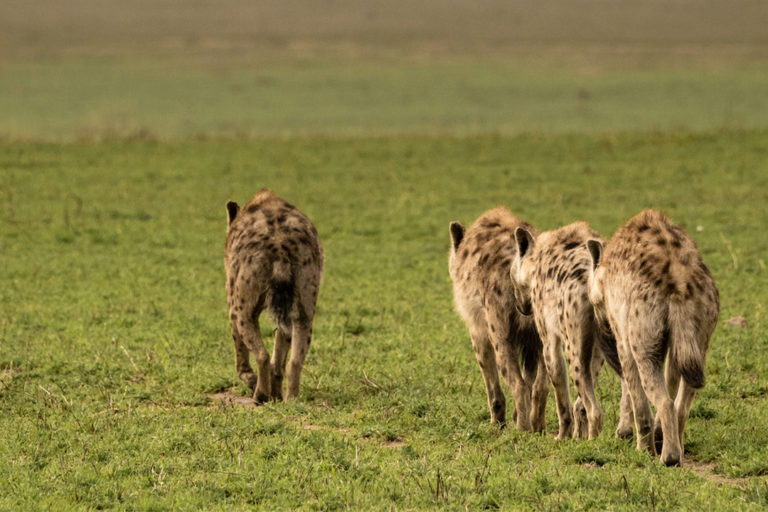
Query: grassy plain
{"points": [[124, 129], [114, 329], [89, 70]]}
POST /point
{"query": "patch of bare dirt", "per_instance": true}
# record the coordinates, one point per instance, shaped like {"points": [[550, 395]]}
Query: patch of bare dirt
{"points": [[737, 321], [321, 427], [706, 471], [233, 398]]}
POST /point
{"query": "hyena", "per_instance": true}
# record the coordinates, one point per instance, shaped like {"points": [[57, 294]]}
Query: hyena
{"points": [[503, 339], [550, 281], [274, 261], [662, 304]]}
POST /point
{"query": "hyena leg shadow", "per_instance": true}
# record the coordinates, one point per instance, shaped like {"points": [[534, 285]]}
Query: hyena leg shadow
{"points": [[486, 359], [279, 357]]}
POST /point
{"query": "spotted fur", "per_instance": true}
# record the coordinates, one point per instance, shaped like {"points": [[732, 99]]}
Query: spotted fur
{"points": [[650, 284], [504, 340], [273, 261], [550, 280]]}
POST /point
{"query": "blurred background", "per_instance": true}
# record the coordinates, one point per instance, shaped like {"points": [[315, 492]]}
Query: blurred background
{"points": [[170, 69]]}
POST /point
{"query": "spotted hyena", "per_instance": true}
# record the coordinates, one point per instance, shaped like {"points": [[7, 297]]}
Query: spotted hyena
{"points": [[274, 261], [662, 304], [503, 339], [550, 280]]}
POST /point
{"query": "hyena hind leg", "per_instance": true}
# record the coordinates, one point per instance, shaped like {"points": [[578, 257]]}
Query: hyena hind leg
{"points": [[249, 330], [486, 359], [654, 382], [507, 362], [581, 423], [279, 356], [683, 408], [641, 410], [539, 397], [242, 363], [626, 417], [301, 337], [558, 373], [672, 375], [582, 375]]}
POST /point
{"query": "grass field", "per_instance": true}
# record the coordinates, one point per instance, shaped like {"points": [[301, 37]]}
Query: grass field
{"points": [[123, 134]]}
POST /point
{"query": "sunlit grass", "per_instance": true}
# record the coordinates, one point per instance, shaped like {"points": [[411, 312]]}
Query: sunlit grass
{"points": [[113, 327]]}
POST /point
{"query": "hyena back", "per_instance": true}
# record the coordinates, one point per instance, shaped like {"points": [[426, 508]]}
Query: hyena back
{"points": [[504, 340], [273, 261], [550, 280], [650, 284]]}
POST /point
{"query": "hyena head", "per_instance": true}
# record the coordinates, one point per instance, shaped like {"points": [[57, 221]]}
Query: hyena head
{"points": [[457, 235], [233, 209], [522, 270], [595, 280]]}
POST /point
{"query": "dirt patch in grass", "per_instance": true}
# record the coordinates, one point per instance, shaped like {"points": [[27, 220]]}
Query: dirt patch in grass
{"points": [[342, 430], [231, 397], [706, 471]]}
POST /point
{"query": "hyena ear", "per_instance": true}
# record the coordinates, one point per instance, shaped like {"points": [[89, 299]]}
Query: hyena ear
{"points": [[457, 234], [595, 251], [524, 241], [232, 209]]}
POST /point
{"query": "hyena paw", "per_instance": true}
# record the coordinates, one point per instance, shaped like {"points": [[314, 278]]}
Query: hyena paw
{"points": [[624, 432], [277, 388], [499, 413], [565, 430], [260, 397], [581, 426], [671, 459], [249, 379]]}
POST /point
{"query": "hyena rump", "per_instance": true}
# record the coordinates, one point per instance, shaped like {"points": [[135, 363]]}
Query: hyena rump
{"points": [[550, 281], [662, 304], [274, 261], [503, 339]]}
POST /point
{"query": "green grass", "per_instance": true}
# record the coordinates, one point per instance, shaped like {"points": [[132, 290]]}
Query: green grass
{"points": [[86, 70], [125, 127], [95, 99], [113, 328]]}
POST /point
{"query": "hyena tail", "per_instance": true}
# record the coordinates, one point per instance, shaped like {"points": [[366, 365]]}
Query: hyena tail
{"points": [[685, 352], [282, 296], [531, 350]]}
